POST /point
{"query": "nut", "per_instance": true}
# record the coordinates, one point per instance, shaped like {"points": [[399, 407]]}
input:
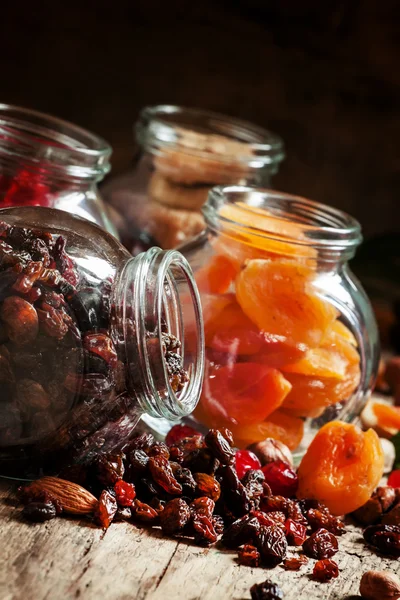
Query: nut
{"points": [[389, 453], [73, 498], [380, 585], [380, 502], [392, 517], [387, 497], [271, 450]]}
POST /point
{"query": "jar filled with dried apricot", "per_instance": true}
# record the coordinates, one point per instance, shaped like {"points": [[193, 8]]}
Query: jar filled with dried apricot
{"points": [[183, 153], [91, 339], [291, 340]]}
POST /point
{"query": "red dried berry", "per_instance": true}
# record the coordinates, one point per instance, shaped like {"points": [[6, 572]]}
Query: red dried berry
{"points": [[248, 556], [325, 570], [245, 461], [321, 544], [394, 479], [296, 533], [178, 433], [281, 478], [125, 493]]}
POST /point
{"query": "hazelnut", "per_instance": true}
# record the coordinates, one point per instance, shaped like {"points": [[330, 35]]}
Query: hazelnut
{"points": [[381, 501], [389, 453], [270, 450], [386, 496], [380, 585]]}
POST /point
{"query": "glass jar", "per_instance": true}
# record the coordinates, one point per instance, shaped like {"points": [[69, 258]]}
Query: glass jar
{"points": [[183, 153], [45, 161], [91, 339], [291, 340]]}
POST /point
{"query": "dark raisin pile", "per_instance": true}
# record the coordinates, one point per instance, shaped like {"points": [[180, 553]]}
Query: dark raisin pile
{"points": [[62, 365]]}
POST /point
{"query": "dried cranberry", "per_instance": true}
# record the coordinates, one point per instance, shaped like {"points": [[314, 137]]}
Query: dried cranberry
{"points": [[385, 538], [325, 570], [244, 461], [321, 544], [124, 492], [249, 556], [296, 533], [281, 478], [39, 511], [266, 591], [394, 479], [207, 485], [272, 544], [175, 516], [106, 509], [178, 433]]}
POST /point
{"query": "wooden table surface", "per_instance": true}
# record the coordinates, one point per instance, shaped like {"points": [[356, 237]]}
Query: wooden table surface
{"points": [[70, 558]]}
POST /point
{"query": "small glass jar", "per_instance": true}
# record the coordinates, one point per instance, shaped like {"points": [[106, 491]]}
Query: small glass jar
{"points": [[291, 340], [45, 161], [183, 153], [91, 339]]}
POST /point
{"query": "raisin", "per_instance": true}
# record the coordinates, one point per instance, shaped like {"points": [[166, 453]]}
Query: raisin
{"points": [[275, 503], [266, 591], [235, 493], [39, 511], [162, 474], [203, 505], [31, 395], [270, 518], [201, 460], [241, 531], [318, 520], [294, 512], [207, 486], [138, 461], [325, 570], [105, 510], [296, 533], [219, 446], [253, 482], [185, 478], [249, 556], [205, 533], [20, 319], [159, 449], [144, 442], [272, 544], [157, 504], [385, 538], [321, 544], [144, 512], [218, 524], [178, 433], [109, 468], [175, 516], [101, 345], [124, 492], [6, 372], [294, 564]]}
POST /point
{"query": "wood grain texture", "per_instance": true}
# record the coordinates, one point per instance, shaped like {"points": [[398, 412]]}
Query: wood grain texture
{"points": [[70, 558]]}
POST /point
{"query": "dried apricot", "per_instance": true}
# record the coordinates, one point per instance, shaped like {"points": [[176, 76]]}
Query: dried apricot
{"points": [[278, 297], [216, 276], [280, 426], [341, 467], [387, 416], [319, 362], [231, 331], [243, 393]]}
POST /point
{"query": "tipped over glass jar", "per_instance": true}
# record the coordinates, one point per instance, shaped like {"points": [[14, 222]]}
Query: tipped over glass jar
{"points": [[291, 340], [183, 153], [91, 339], [45, 161]]}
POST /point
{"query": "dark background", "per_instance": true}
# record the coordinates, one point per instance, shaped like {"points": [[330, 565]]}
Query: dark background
{"points": [[325, 74]]}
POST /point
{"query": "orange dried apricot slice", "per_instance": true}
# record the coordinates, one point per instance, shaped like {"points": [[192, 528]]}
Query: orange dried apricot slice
{"points": [[276, 351], [280, 426], [243, 393], [278, 297], [232, 332], [319, 362], [388, 417], [339, 329], [216, 276], [342, 467]]}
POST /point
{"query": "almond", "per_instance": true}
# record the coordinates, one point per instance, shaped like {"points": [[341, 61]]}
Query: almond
{"points": [[73, 498]]}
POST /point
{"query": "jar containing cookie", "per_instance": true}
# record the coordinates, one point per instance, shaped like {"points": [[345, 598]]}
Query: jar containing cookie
{"points": [[91, 339], [291, 340], [183, 152], [45, 161]]}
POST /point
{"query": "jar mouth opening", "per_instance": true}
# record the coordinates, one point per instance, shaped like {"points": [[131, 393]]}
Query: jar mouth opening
{"points": [[208, 134], [51, 143], [309, 223]]}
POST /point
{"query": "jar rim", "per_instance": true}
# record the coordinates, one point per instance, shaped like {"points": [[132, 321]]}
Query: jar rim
{"points": [[52, 143], [320, 225], [191, 129]]}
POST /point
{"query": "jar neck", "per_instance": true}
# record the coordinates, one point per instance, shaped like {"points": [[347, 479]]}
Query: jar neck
{"points": [[209, 136], [49, 149], [154, 291], [282, 223]]}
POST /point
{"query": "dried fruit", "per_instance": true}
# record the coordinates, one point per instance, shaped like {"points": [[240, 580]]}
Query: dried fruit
{"points": [[105, 510], [271, 450], [321, 544], [208, 486], [73, 498], [162, 474], [266, 591], [272, 544], [244, 461], [144, 512], [394, 479], [203, 526], [249, 556], [380, 585], [324, 520], [325, 570], [392, 517], [296, 533], [39, 511], [109, 468], [281, 478], [341, 467], [20, 319], [175, 516], [178, 433], [241, 531], [384, 538], [294, 564], [124, 492], [220, 446]]}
